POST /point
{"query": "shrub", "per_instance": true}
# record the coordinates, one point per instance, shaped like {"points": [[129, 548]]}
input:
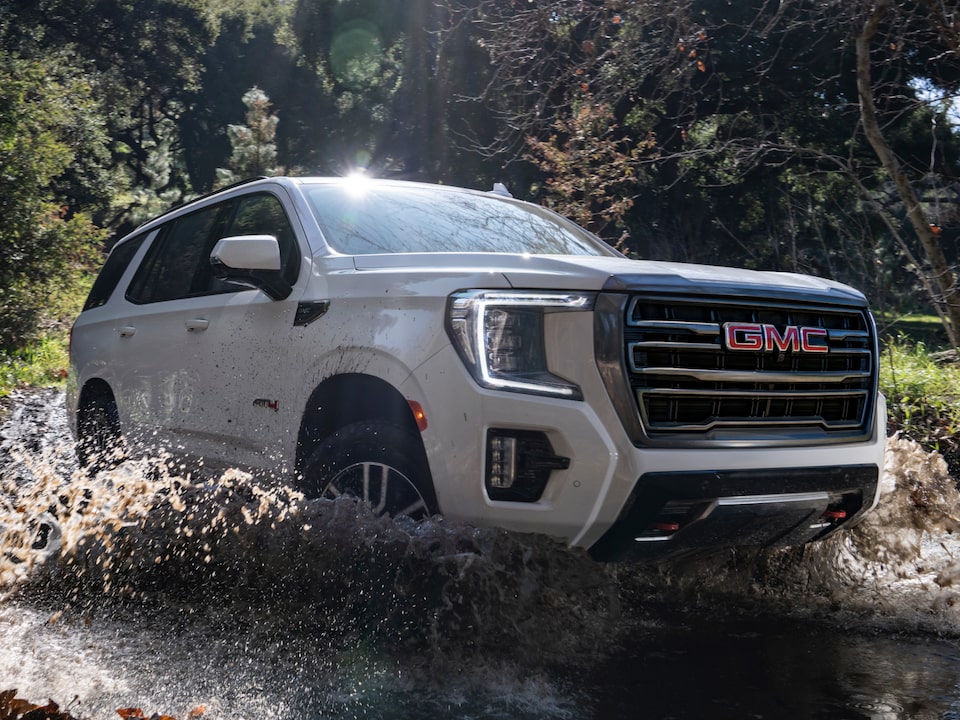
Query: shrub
{"points": [[923, 397]]}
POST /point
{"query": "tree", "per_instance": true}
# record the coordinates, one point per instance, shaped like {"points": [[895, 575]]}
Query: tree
{"points": [[939, 277], [745, 125], [43, 241], [141, 58], [398, 93], [356, 49], [254, 149], [591, 172]]}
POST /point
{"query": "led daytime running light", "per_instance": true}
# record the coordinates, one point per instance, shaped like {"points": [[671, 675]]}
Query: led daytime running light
{"points": [[469, 314]]}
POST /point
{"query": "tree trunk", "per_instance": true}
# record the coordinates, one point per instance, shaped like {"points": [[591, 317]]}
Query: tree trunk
{"points": [[944, 279]]}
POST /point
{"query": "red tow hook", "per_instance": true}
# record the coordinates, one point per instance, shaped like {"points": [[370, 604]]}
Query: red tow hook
{"points": [[835, 514], [666, 526]]}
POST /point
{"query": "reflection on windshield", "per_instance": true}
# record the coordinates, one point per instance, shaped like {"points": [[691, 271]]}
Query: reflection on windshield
{"points": [[388, 219]]}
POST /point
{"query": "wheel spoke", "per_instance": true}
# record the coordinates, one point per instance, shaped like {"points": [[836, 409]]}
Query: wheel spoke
{"points": [[371, 487], [331, 491], [381, 506], [415, 509], [366, 483]]}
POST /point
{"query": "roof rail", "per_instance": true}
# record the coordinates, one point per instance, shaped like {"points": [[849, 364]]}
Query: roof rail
{"points": [[232, 185]]}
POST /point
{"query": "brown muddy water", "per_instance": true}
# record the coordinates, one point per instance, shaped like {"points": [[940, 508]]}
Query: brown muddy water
{"points": [[143, 588]]}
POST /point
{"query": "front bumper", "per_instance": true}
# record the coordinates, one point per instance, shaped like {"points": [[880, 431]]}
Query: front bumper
{"points": [[768, 508]]}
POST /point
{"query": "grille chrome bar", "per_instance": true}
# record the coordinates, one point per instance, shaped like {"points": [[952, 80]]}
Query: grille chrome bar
{"points": [[757, 377], [697, 328], [716, 347], [714, 329], [757, 423], [774, 394]]}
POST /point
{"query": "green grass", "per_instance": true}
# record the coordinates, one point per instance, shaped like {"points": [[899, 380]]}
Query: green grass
{"points": [[44, 362], [917, 384], [923, 396], [926, 329]]}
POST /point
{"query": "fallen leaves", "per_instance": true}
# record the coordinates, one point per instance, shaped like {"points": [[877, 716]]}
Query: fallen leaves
{"points": [[14, 708], [132, 713]]}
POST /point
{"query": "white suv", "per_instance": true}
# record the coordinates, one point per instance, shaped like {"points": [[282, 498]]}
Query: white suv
{"points": [[432, 349]]}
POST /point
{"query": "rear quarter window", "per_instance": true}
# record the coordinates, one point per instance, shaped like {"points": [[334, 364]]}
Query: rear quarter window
{"points": [[111, 272]]}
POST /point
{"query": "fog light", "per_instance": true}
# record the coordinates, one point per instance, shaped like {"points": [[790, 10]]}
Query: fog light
{"points": [[503, 461], [519, 463]]}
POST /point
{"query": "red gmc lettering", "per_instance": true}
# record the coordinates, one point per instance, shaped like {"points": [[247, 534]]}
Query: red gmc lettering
{"points": [[806, 336], [743, 336], [756, 337], [774, 341]]}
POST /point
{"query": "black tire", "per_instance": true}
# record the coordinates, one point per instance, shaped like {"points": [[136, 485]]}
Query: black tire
{"points": [[379, 464], [99, 440]]}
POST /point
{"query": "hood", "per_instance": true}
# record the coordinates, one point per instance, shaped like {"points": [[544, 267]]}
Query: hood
{"points": [[619, 274]]}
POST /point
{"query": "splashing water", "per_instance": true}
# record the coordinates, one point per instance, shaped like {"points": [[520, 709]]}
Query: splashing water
{"points": [[148, 586], [321, 587]]}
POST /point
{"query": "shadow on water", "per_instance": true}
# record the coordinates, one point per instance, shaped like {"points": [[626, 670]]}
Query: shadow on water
{"points": [[142, 587], [776, 667]]}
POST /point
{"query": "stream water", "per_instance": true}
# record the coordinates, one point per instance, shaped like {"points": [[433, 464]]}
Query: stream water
{"points": [[234, 597]]}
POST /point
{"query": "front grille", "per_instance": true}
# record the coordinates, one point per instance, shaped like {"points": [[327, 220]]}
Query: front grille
{"points": [[685, 379]]}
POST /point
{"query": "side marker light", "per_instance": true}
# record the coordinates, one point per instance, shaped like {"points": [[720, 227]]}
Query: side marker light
{"points": [[418, 414]]}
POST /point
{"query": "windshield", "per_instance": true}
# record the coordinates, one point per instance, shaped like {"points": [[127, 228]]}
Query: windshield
{"points": [[370, 219]]}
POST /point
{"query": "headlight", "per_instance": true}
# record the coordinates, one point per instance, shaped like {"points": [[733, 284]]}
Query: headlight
{"points": [[499, 335]]}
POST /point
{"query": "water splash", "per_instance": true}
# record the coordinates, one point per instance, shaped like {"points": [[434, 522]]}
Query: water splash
{"points": [[351, 609], [145, 585], [140, 533]]}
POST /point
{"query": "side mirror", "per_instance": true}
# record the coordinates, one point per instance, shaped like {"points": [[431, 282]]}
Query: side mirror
{"points": [[251, 260]]}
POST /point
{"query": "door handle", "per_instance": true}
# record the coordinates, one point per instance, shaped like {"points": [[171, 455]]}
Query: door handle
{"points": [[127, 331], [197, 324]]}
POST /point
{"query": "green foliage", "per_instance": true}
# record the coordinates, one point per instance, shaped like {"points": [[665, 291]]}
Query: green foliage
{"points": [[159, 189], [41, 364], [254, 149], [44, 361], [43, 242], [759, 156], [703, 130], [915, 328], [917, 386], [923, 395], [140, 62]]}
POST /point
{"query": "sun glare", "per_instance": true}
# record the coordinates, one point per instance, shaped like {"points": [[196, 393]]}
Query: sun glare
{"points": [[356, 183]]}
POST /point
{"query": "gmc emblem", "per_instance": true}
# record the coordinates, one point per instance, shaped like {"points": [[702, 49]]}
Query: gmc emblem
{"points": [[760, 337]]}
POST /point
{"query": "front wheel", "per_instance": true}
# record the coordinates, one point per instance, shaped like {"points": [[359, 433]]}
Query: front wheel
{"points": [[381, 465]]}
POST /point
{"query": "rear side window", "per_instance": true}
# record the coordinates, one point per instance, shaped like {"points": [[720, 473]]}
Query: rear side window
{"points": [[112, 271], [177, 265]]}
